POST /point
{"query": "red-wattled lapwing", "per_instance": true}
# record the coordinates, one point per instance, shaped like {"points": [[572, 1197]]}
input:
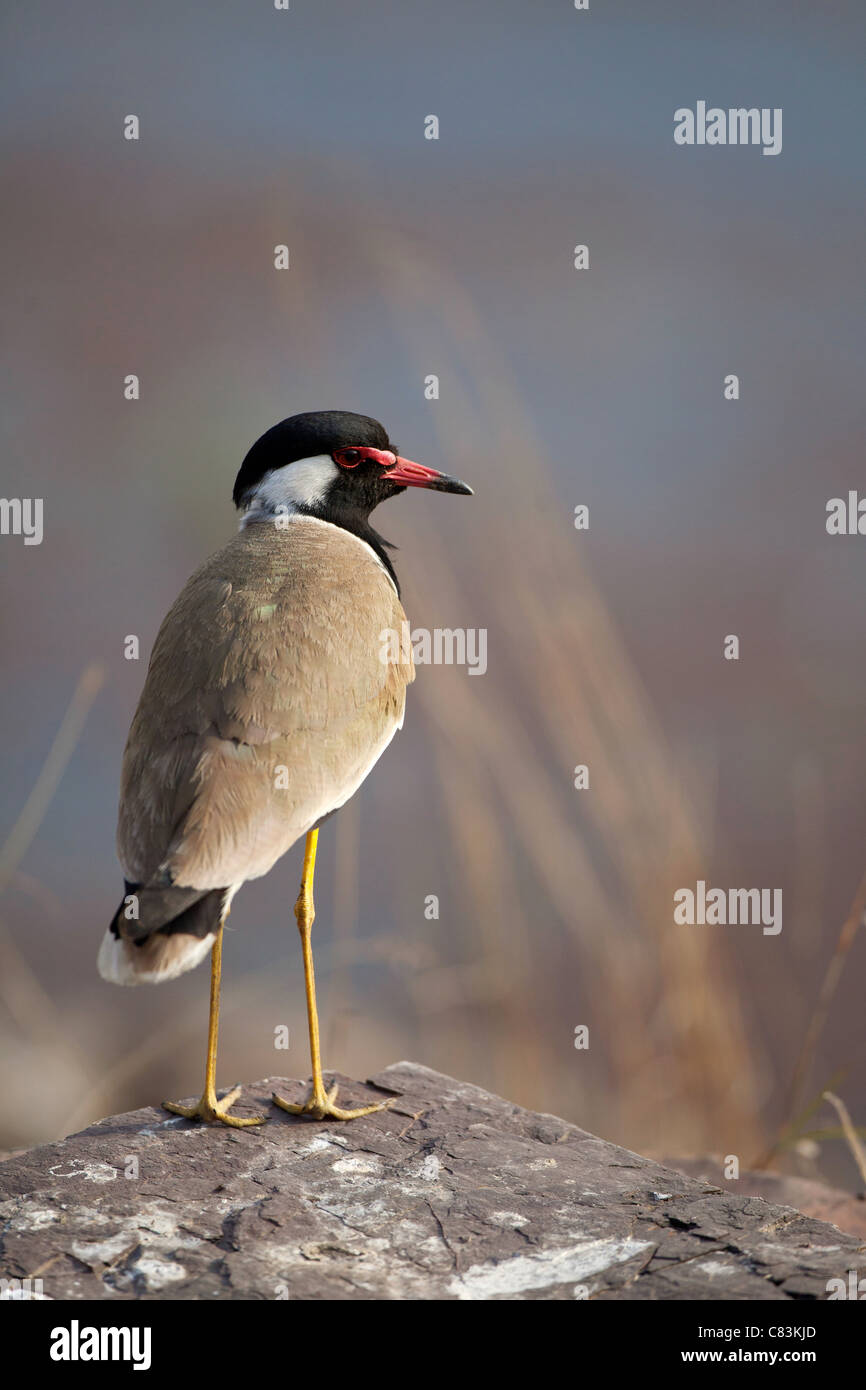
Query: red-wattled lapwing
{"points": [[268, 699]]}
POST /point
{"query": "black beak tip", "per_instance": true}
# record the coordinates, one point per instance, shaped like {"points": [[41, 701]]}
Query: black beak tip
{"points": [[455, 485]]}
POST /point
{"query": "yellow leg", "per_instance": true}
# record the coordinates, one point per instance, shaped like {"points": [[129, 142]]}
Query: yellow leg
{"points": [[321, 1102], [209, 1108]]}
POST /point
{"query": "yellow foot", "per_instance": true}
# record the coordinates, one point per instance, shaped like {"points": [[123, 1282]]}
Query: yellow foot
{"points": [[213, 1111], [321, 1106]]}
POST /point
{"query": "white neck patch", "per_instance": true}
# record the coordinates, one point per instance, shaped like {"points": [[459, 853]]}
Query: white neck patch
{"points": [[300, 484]]}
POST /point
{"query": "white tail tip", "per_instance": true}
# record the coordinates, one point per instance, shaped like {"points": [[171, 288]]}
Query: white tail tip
{"points": [[160, 958]]}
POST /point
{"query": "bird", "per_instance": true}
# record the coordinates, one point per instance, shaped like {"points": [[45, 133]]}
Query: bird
{"points": [[268, 698]]}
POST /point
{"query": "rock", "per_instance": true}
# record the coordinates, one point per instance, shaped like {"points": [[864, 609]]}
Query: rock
{"points": [[451, 1194], [844, 1209]]}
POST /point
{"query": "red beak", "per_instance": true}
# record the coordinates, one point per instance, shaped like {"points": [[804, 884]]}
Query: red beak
{"points": [[409, 474]]}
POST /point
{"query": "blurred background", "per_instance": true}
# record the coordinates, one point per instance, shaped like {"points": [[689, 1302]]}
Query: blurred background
{"points": [[558, 387]]}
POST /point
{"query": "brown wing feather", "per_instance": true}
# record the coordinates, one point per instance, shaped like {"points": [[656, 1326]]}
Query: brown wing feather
{"points": [[268, 660]]}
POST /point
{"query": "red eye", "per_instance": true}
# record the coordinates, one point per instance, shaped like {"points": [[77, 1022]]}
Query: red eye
{"points": [[350, 458]]}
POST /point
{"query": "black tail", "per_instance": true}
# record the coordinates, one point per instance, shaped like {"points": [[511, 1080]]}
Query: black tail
{"points": [[147, 910], [158, 933]]}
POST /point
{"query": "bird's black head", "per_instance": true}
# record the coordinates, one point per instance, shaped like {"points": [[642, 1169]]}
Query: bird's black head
{"points": [[330, 464], [315, 435]]}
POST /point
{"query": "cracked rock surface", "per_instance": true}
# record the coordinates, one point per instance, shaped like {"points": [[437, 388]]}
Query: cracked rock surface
{"points": [[453, 1193]]}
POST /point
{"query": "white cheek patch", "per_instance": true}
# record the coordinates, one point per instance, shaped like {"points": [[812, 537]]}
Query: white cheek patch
{"points": [[301, 484]]}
